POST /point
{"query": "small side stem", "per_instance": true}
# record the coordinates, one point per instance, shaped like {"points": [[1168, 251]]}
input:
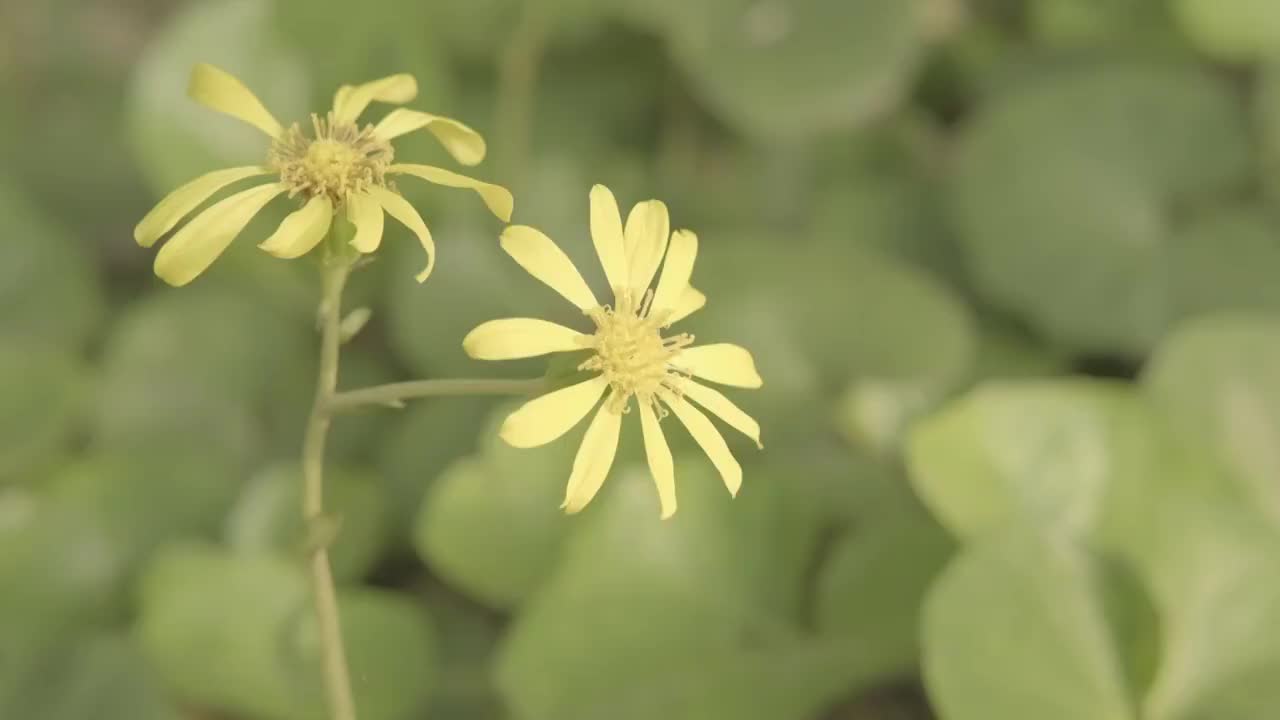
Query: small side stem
{"points": [[394, 394], [337, 678]]}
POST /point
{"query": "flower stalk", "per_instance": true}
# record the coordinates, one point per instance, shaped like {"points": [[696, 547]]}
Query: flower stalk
{"points": [[394, 394], [333, 656]]}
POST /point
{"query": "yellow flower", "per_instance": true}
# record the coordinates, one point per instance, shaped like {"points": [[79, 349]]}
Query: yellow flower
{"points": [[335, 165], [630, 357]]}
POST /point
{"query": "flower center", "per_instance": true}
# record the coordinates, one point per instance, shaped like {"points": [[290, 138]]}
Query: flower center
{"points": [[632, 354], [337, 160]]}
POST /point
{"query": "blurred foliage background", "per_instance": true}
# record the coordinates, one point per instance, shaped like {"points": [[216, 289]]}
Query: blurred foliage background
{"points": [[1009, 268]]}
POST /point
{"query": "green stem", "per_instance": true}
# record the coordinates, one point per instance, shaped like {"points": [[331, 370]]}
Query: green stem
{"points": [[394, 394], [337, 679], [517, 91]]}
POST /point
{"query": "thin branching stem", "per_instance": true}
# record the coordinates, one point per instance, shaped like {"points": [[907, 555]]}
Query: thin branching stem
{"points": [[337, 677], [394, 394]]}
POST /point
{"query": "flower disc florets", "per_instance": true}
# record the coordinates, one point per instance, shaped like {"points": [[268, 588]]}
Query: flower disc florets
{"points": [[632, 354], [338, 159]]}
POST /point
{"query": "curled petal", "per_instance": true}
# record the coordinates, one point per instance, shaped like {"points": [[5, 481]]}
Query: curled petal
{"points": [[194, 247], [302, 230], [219, 90], [464, 144], [676, 271], [366, 214], [722, 363], [514, 338], [497, 198], [351, 100], [658, 453], [594, 458], [544, 419], [178, 204], [543, 259], [709, 439], [400, 209]]}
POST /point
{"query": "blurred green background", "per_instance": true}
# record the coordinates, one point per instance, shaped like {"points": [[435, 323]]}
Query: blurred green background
{"points": [[1009, 268]]}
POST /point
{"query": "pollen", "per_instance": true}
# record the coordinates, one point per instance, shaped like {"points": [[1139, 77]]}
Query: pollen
{"points": [[336, 159], [632, 354]]}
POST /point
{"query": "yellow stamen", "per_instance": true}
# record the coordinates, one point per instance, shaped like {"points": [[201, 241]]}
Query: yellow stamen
{"points": [[337, 159], [632, 354]]}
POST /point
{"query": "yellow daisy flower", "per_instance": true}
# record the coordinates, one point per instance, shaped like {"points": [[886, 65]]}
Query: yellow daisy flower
{"points": [[630, 356], [336, 165]]}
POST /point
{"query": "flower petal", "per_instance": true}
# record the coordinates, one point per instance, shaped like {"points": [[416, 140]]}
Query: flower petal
{"points": [[723, 363], [543, 259], [351, 100], [690, 302], [302, 230], [606, 233], [709, 439], [400, 209], [193, 248], [513, 338], [366, 214], [464, 144], [497, 198], [594, 458], [675, 271], [544, 419], [716, 402], [660, 464], [219, 90], [176, 205], [646, 235]]}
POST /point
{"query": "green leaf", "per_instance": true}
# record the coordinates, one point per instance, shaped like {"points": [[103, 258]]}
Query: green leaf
{"points": [[176, 139], [1082, 253], [1043, 451], [791, 68], [267, 516], [491, 524], [1120, 23], [99, 676], [68, 551], [1015, 629], [1210, 562], [235, 631], [42, 395], [813, 319], [684, 618], [196, 365], [1218, 380], [873, 583], [50, 291], [1234, 30]]}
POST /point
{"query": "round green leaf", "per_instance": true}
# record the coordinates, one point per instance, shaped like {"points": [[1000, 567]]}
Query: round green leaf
{"points": [[873, 583], [267, 516], [99, 676], [201, 364], [687, 617], [1218, 379], [1043, 451], [176, 139], [49, 289], [1081, 252], [235, 631], [1015, 629], [791, 68], [42, 395], [1235, 30], [491, 524]]}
